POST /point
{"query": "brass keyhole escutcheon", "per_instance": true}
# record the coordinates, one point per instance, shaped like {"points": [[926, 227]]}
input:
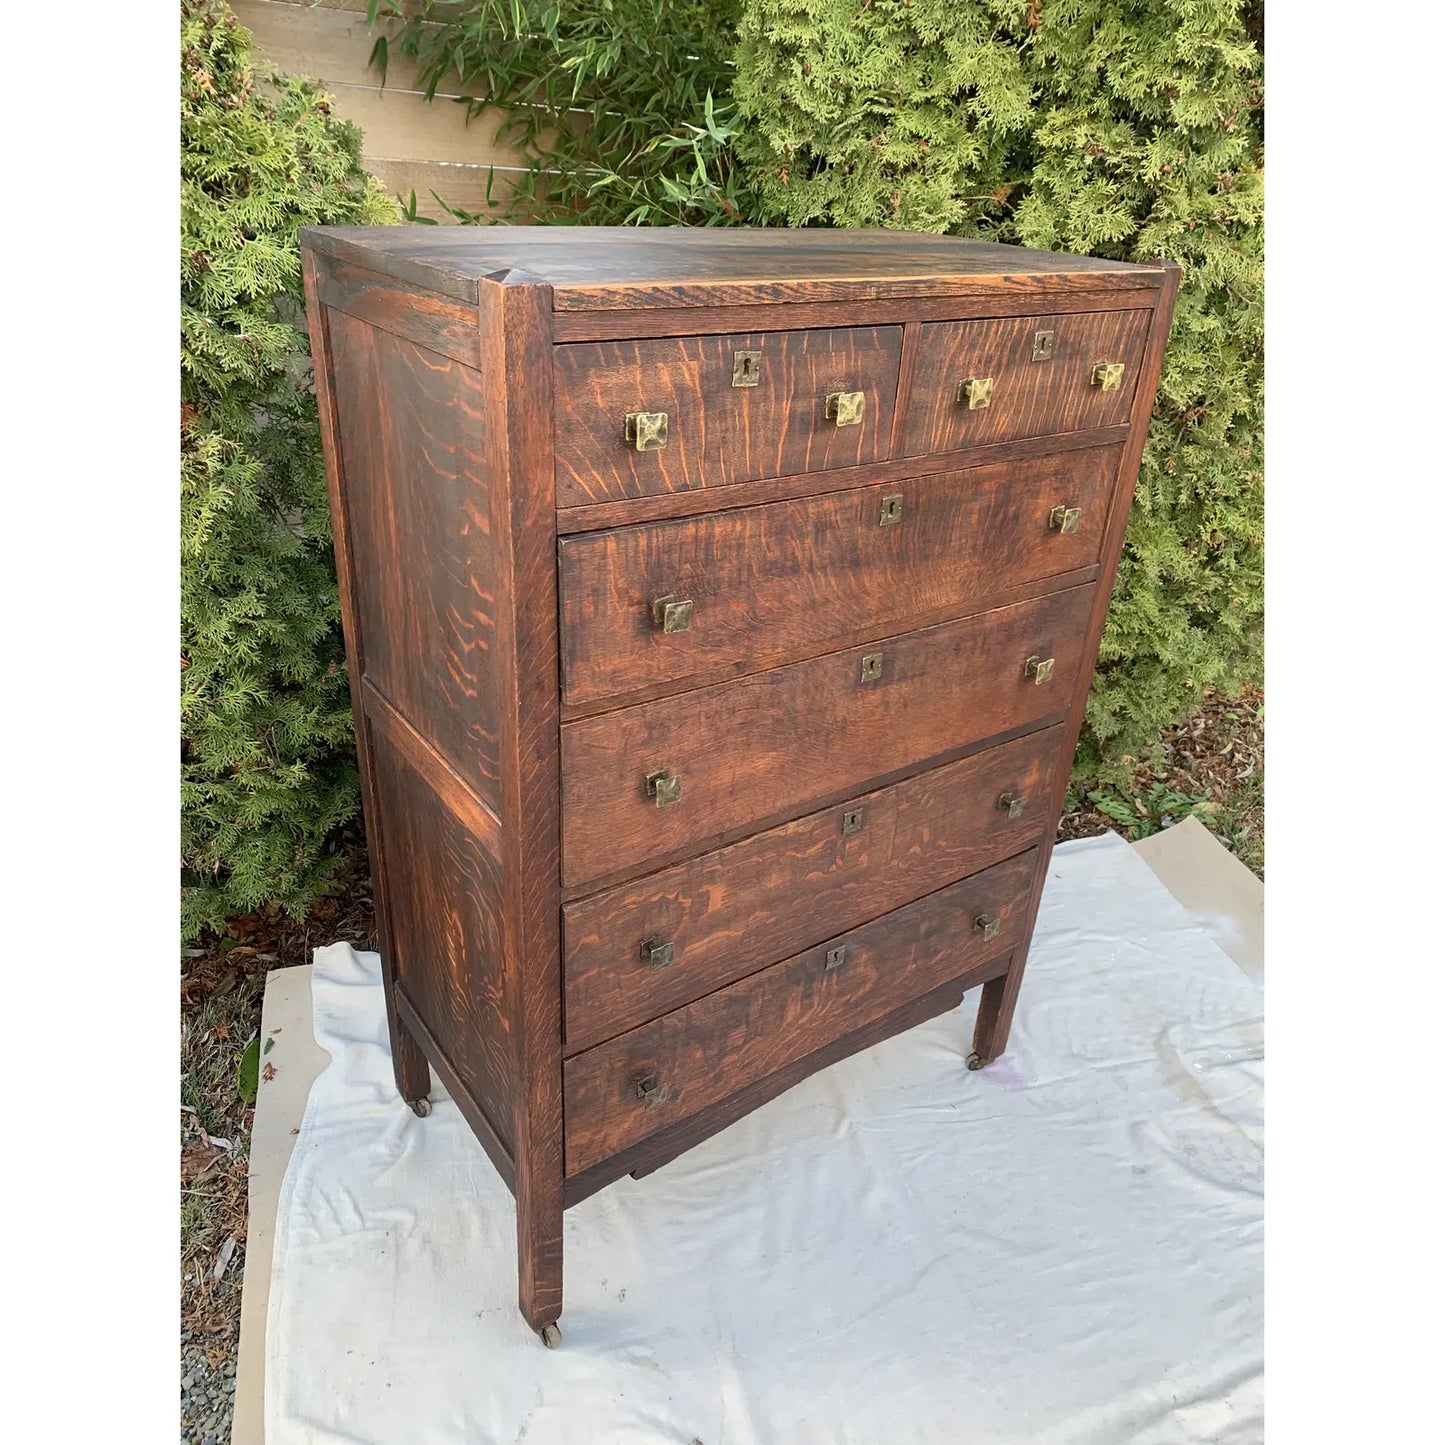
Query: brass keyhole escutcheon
{"points": [[891, 512], [672, 614], [1065, 520], [663, 787], [872, 668], [656, 953], [835, 958], [844, 408], [1039, 670], [852, 822], [976, 393], [987, 926], [646, 430], [1012, 804], [1108, 375], [747, 367], [1043, 346]]}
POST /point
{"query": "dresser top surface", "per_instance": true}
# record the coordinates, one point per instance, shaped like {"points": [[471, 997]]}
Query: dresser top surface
{"points": [[619, 267]]}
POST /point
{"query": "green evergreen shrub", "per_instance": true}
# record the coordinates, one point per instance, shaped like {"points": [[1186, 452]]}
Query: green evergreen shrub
{"points": [[268, 771], [1129, 129]]}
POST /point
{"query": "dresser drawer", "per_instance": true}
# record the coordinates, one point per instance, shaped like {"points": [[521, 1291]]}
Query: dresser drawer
{"points": [[763, 748], [760, 584], [718, 432], [647, 947], [1027, 397], [698, 1055]]}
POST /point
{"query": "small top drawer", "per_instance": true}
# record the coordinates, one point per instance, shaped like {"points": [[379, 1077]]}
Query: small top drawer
{"points": [[638, 418], [992, 381]]}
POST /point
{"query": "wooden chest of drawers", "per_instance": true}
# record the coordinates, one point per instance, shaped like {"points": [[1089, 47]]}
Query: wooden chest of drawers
{"points": [[720, 607]]}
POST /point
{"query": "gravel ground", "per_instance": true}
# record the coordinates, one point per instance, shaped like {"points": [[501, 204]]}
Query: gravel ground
{"points": [[207, 1395]]}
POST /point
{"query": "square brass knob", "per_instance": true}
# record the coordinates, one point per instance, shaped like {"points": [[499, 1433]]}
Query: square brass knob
{"points": [[1065, 519], [663, 787], [1109, 375], [1039, 670], [844, 408], [976, 393], [646, 430], [672, 614], [650, 1091], [987, 926], [1012, 804]]}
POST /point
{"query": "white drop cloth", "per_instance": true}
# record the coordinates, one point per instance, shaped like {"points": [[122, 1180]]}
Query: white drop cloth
{"points": [[1065, 1247]]}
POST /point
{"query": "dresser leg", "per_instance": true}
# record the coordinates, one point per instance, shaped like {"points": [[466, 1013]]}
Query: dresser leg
{"points": [[409, 1065], [995, 1016], [539, 1268]]}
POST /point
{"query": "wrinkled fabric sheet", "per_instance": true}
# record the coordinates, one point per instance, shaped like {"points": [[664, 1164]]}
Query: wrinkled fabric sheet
{"points": [[1064, 1247]]}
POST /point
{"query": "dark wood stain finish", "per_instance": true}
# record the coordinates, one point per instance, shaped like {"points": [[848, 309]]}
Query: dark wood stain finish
{"points": [[718, 433], [845, 712], [792, 578]]}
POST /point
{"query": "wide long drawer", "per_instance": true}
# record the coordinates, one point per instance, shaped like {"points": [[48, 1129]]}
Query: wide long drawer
{"points": [[620, 1092], [655, 944], [635, 418], [682, 773], [736, 589], [1025, 376]]}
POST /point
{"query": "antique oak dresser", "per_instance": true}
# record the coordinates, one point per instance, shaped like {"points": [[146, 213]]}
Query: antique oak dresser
{"points": [[720, 607]]}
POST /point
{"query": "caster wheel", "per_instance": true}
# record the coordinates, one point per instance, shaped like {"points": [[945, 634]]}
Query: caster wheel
{"points": [[421, 1107], [974, 1062], [550, 1336]]}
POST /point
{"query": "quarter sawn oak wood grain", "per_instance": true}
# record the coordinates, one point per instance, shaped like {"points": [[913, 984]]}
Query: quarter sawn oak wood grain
{"points": [[662, 876]]}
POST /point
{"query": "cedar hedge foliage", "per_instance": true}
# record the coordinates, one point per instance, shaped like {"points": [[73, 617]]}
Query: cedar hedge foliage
{"points": [[267, 772]]}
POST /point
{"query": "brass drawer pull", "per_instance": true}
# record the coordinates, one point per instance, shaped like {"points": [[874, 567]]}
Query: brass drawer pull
{"points": [[656, 953], [650, 1091], [872, 668], [664, 787], [835, 958], [1043, 346], [1065, 520], [1039, 670], [1108, 375], [672, 614], [844, 408], [891, 513], [852, 822], [977, 392], [987, 926], [1013, 804], [646, 430], [747, 367]]}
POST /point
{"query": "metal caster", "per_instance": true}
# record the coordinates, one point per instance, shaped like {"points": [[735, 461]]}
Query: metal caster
{"points": [[550, 1336], [420, 1107], [974, 1062]]}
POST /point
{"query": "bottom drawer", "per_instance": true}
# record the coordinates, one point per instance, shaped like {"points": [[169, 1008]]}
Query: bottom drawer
{"points": [[620, 1092]]}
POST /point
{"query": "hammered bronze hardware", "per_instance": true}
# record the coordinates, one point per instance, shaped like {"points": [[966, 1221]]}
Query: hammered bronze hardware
{"points": [[872, 667], [892, 510], [1108, 375], [1013, 804], [835, 957], [977, 392], [672, 614], [1039, 670], [844, 408], [664, 787], [1043, 346], [852, 821], [987, 926], [646, 430], [650, 1091], [656, 953], [1065, 519], [747, 367]]}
